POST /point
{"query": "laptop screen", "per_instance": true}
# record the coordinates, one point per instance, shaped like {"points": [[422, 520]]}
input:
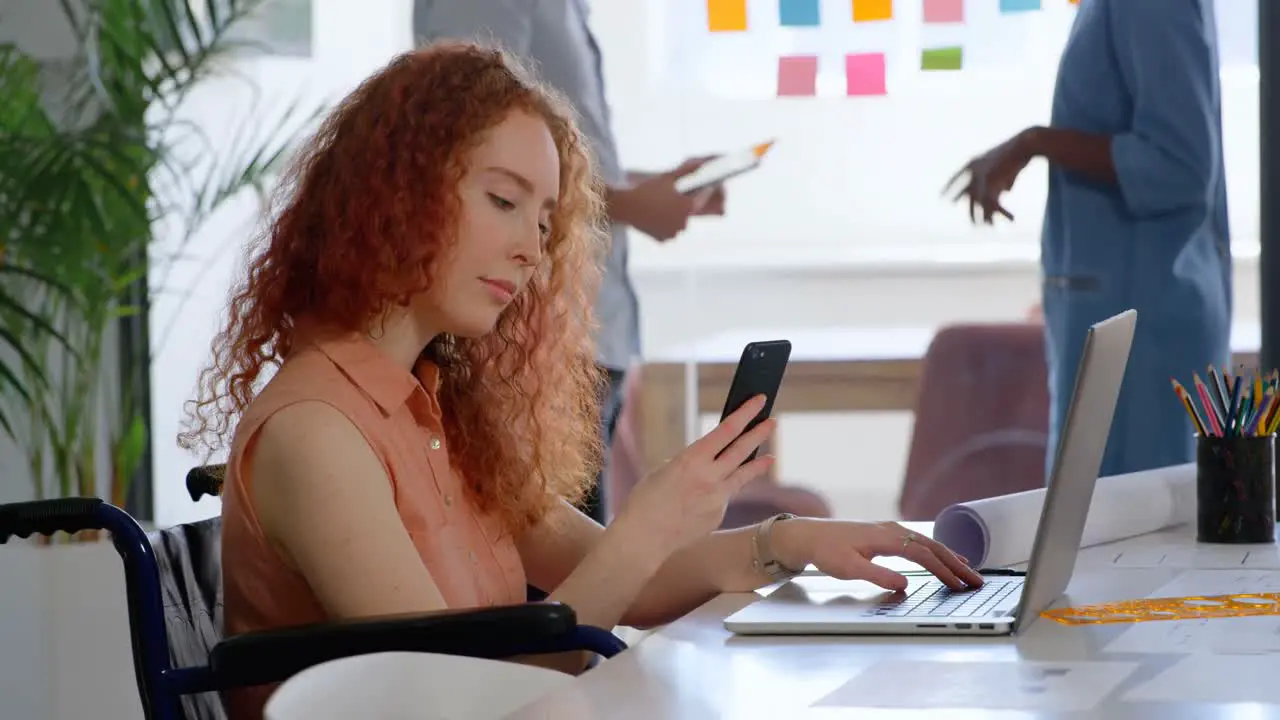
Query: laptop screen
{"points": [[1076, 464]]}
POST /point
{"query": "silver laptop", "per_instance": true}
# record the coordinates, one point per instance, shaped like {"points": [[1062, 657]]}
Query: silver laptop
{"points": [[821, 605]]}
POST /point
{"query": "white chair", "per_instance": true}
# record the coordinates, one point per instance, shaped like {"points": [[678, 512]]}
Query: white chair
{"points": [[410, 685]]}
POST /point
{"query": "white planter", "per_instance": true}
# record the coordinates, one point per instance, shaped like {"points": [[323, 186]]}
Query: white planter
{"points": [[65, 626]]}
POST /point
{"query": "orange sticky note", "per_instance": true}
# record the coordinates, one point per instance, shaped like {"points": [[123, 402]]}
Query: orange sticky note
{"points": [[726, 15], [798, 76], [872, 10], [1181, 608], [865, 74]]}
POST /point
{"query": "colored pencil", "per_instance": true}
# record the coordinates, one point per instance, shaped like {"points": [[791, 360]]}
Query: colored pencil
{"points": [[1218, 391], [1185, 397], [1210, 407], [1259, 425], [1233, 410], [1245, 403]]}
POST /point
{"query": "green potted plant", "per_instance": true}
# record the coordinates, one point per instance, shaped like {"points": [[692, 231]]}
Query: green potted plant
{"points": [[88, 172]]}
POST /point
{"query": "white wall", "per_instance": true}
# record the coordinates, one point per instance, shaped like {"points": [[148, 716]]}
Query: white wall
{"points": [[845, 215]]}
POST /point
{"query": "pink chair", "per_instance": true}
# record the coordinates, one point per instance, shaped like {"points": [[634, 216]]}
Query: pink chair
{"points": [[762, 498], [982, 417]]}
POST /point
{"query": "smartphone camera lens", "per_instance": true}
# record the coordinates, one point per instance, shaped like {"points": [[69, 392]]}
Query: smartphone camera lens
{"points": [[757, 354]]}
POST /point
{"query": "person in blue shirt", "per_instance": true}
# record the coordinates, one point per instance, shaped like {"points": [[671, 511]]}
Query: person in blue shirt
{"points": [[1136, 214]]}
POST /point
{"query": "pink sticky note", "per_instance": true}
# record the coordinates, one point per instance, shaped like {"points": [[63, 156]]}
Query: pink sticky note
{"points": [[865, 74], [944, 11], [797, 76]]}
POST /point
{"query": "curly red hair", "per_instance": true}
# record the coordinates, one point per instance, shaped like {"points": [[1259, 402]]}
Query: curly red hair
{"points": [[369, 208]]}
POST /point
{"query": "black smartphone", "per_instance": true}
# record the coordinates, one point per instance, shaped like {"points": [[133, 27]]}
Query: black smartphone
{"points": [[759, 372]]}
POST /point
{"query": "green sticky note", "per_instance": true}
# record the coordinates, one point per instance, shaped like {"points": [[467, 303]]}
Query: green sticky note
{"points": [[949, 58]]}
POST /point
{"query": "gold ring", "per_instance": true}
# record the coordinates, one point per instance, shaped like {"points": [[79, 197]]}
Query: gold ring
{"points": [[907, 540]]}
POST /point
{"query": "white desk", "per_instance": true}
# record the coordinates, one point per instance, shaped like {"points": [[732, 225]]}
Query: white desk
{"points": [[831, 370], [694, 668]]}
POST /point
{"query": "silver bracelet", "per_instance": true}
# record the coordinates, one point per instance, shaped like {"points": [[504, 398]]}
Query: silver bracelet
{"points": [[763, 559]]}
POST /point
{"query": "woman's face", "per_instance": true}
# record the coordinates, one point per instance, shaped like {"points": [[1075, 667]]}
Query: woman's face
{"points": [[507, 195]]}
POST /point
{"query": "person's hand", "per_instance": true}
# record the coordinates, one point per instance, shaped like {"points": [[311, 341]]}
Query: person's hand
{"points": [[991, 175], [657, 209], [685, 499], [709, 200], [844, 549]]}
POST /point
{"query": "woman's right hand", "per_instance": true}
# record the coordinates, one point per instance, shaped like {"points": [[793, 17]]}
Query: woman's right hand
{"points": [[685, 499]]}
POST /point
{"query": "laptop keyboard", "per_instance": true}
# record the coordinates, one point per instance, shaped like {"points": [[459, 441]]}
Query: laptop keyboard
{"points": [[935, 599]]}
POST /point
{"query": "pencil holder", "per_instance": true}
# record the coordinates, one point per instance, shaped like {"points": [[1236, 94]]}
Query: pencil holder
{"points": [[1235, 489]]}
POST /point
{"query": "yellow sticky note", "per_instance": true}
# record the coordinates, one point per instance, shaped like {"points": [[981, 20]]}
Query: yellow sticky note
{"points": [[726, 15], [872, 10]]}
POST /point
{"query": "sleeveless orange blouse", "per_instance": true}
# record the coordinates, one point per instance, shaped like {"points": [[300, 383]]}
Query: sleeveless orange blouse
{"points": [[469, 555]]}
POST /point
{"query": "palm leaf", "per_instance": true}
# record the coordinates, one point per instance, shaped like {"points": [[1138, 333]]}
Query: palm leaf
{"points": [[22, 331], [198, 33], [29, 361], [36, 323], [21, 112], [5, 424]]}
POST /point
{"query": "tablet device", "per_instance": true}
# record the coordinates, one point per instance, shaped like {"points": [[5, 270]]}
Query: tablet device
{"points": [[722, 168]]}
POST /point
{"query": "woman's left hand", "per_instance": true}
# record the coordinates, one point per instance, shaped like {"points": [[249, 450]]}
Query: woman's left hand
{"points": [[992, 174], [844, 549]]}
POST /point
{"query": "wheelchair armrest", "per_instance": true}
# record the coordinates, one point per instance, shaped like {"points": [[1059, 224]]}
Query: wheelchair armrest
{"points": [[275, 655], [205, 480], [46, 517]]}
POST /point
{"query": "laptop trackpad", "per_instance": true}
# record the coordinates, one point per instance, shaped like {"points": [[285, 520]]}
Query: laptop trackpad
{"points": [[825, 590]]}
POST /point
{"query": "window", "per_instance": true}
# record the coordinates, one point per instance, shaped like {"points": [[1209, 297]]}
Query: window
{"points": [[283, 27], [274, 27], [1237, 35], [854, 178]]}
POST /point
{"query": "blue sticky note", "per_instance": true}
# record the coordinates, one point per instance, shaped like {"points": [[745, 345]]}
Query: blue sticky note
{"points": [[1015, 6], [802, 13]]}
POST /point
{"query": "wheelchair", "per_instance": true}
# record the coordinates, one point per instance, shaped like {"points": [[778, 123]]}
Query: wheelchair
{"points": [[173, 582]]}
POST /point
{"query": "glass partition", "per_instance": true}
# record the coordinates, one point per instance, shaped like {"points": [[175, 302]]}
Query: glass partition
{"points": [[840, 241]]}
